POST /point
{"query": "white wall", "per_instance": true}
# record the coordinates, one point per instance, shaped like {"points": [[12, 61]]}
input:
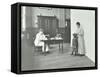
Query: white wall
{"points": [[87, 20]]}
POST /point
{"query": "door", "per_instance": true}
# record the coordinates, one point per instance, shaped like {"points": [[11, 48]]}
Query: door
{"points": [[67, 32]]}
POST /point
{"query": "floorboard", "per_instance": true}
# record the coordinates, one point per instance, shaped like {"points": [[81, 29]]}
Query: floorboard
{"points": [[32, 60]]}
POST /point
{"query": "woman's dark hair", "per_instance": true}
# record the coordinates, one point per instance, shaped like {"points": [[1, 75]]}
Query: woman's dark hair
{"points": [[78, 23]]}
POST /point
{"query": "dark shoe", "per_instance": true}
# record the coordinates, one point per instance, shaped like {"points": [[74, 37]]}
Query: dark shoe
{"points": [[76, 54], [48, 52], [71, 54], [45, 53], [82, 54]]}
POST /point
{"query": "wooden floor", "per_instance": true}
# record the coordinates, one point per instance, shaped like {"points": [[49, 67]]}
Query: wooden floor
{"points": [[32, 60]]}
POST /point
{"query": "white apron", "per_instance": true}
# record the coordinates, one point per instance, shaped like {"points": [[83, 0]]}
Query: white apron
{"points": [[81, 42]]}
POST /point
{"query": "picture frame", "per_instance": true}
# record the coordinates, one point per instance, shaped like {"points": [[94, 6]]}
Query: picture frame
{"points": [[16, 35]]}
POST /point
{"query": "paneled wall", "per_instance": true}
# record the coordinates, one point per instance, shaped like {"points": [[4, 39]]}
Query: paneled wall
{"points": [[31, 14], [59, 13], [28, 15]]}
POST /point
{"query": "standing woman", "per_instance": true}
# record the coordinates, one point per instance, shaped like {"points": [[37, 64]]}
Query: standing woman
{"points": [[81, 43]]}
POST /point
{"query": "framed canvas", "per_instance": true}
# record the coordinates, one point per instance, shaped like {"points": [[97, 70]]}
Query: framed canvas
{"points": [[52, 38]]}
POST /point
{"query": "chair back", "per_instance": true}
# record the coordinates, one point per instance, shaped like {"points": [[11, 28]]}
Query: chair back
{"points": [[33, 41]]}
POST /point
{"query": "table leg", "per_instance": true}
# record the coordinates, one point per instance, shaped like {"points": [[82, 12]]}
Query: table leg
{"points": [[59, 47], [44, 48], [62, 46]]}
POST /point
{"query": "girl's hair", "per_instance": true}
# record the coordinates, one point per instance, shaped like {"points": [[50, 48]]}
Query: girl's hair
{"points": [[78, 23], [75, 35]]}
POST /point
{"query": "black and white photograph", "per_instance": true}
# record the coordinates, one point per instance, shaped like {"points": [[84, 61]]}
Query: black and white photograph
{"points": [[55, 38]]}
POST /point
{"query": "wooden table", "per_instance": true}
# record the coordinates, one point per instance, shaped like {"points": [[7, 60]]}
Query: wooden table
{"points": [[55, 41]]}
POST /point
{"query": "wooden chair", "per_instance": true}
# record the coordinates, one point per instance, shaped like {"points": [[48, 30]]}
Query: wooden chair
{"points": [[37, 48]]}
